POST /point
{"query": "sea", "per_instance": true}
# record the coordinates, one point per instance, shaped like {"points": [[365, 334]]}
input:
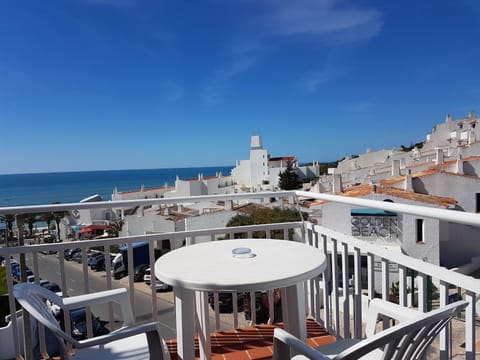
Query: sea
{"points": [[68, 187]]}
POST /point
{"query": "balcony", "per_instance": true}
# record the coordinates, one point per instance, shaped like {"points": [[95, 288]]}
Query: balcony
{"points": [[336, 301]]}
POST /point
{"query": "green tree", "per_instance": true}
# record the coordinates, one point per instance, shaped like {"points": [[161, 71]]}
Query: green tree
{"points": [[288, 180], [266, 216]]}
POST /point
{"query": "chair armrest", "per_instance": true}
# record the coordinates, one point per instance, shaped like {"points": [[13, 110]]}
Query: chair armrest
{"points": [[283, 341], [383, 308], [121, 333], [119, 296], [157, 347]]}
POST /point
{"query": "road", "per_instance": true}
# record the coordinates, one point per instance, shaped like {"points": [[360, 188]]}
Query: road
{"points": [[49, 269]]}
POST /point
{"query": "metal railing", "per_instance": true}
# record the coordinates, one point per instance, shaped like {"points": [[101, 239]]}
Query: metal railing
{"points": [[337, 299]]}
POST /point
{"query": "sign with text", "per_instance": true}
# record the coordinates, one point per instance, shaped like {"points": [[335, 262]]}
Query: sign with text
{"points": [[371, 223]]}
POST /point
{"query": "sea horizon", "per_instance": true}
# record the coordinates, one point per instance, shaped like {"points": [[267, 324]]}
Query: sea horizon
{"points": [[72, 186]]}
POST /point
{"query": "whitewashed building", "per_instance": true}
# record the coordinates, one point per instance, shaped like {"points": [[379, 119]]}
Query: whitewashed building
{"points": [[261, 172], [444, 172]]}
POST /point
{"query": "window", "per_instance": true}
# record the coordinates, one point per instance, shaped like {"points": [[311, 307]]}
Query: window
{"points": [[420, 231], [477, 202]]}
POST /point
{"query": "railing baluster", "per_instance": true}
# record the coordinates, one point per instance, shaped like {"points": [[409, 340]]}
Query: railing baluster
{"points": [[402, 285], [216, 308], [371, 275], [86, 289], [271, 307], [346, 293], [335, 300], [385, 279], [235, 309], [422, 289], [129, 270], [385, 287], [253, 311], [108, 275], [445, 333], [470, 323], [357, 309], [153, 280], [326, 284], [41, 328]]}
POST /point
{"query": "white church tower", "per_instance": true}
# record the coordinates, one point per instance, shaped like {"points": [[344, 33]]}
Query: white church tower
{"points": [[249, 174], [258, 163]]}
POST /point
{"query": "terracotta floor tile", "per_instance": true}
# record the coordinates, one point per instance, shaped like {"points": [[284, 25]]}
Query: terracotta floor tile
{"points": [[237, 355], [252, 342], [260, 353]]}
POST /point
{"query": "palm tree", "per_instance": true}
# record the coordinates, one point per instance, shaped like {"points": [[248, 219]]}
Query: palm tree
{"points": [[58, 216], [8, 219], [48, 218], [31, 219], [114, 228]]}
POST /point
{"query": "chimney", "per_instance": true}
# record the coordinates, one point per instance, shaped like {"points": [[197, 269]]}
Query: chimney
{"points": [[459, 165], [395, 168], [337, 183], [449, 118], [471, 115], [438, 156], [408, 181]]}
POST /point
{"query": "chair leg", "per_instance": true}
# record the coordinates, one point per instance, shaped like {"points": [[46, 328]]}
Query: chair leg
{"points": [[155, 345], [281, 351]]}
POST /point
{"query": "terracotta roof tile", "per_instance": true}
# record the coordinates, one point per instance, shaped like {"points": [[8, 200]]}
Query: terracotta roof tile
{"points": [[364, 190]]}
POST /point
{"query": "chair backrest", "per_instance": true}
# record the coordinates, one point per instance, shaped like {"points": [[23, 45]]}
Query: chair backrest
{"points": [[407, 340], [33, 299]]}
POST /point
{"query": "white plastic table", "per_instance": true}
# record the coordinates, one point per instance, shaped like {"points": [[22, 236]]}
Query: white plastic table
{"points": [[211, 266]]}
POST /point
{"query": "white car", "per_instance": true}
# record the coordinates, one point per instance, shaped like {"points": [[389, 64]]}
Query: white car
{"points": [[159, 285]]}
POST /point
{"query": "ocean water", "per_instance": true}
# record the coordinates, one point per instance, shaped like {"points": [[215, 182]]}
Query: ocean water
{"points": [[66, 187]]}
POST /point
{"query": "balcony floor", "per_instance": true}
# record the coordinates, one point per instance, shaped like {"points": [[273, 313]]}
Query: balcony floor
{"points": [[252, 342]]}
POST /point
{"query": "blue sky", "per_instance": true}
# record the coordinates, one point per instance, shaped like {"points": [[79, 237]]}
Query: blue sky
{"points": [[131, 84]]}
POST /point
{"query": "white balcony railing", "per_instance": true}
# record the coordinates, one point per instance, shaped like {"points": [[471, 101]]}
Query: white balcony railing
{"points": [[337, 299]]}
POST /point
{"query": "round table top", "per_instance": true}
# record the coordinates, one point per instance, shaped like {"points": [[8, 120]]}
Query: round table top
{"points": [[212, 266]]}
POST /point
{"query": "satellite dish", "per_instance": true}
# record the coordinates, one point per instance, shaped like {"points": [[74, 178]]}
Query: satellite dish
{"points": [[75, 214]]}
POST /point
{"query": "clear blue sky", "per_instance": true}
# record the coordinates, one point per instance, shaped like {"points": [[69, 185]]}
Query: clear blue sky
{"points": [[129, 84]]}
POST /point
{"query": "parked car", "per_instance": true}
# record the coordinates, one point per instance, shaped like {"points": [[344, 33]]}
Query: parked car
{"points": [[68, 253], [78, 323], [225, 301], [52, 286], [77, 256], [159, 285], [93, 255], [139, 272], [98, 263]]}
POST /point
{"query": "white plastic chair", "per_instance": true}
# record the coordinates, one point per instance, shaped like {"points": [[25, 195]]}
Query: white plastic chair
{"points": [[33, 299], [409, 339]]}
